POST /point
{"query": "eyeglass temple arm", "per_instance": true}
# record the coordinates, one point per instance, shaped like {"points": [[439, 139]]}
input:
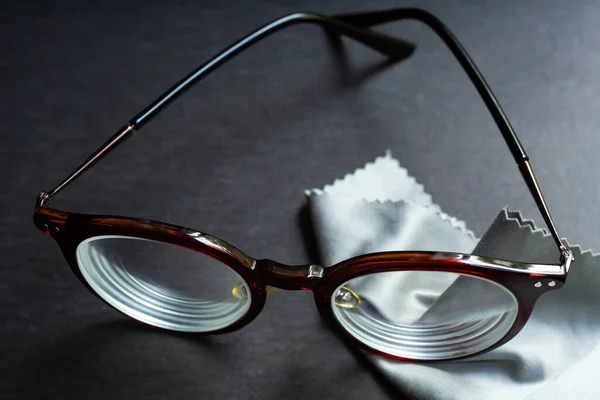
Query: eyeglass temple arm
{"points": [[380, 17], [387, 45], [345, 25]]}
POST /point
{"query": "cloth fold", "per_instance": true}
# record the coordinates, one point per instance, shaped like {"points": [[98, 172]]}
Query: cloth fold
{"points": [[382, 208]]}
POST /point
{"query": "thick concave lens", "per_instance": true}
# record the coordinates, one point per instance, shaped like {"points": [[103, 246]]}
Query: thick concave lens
{"points": [[425, 315], [163, 285]]}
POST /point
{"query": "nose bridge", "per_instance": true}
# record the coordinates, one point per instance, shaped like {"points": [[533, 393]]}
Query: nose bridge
{"points": [[290, 277]]}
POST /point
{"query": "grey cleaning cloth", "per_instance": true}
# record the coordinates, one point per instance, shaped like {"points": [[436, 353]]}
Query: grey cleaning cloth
{"points": [[382, 208]]}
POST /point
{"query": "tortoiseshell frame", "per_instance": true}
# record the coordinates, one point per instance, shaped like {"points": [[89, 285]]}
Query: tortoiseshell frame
{"points": [[527, 282]]}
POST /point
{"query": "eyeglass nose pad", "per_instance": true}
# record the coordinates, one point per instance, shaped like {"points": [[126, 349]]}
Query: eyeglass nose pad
{"points": [[346, 298], [239, 291]]}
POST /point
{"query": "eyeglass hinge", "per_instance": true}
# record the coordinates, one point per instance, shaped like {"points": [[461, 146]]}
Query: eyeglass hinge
{"points": [[42, 199], [566, 257]]}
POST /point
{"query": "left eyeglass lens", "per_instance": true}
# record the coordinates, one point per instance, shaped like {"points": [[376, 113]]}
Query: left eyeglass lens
{"points": [[425, 315], [162, 284]]}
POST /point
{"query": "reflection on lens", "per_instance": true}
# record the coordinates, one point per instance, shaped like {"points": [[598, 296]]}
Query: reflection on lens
{"points": [[425, 315], [163, 285]]}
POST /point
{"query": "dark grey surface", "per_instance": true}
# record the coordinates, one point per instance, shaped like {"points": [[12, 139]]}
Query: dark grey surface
{"points": [[234, 156]]}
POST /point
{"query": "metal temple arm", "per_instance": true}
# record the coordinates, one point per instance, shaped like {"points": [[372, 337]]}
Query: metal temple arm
{"points": [[516, 148], [387, 45], [353, 26]]}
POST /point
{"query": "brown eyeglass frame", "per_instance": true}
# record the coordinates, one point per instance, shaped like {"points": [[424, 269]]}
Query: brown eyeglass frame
{"points": [[527, 282]]}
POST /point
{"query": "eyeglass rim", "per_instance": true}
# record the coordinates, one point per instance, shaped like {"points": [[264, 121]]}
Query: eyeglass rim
{"points": [[524, 286], [71, 229]]}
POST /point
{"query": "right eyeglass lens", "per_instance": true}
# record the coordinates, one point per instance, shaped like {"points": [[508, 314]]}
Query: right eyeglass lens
{"points": [[162, 284], [425, 315]]}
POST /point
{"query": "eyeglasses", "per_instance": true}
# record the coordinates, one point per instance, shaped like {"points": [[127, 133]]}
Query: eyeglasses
{"points": [[181, 279]]}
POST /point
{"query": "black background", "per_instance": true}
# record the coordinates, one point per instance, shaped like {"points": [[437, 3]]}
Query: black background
{"points": [[234, 155]]}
